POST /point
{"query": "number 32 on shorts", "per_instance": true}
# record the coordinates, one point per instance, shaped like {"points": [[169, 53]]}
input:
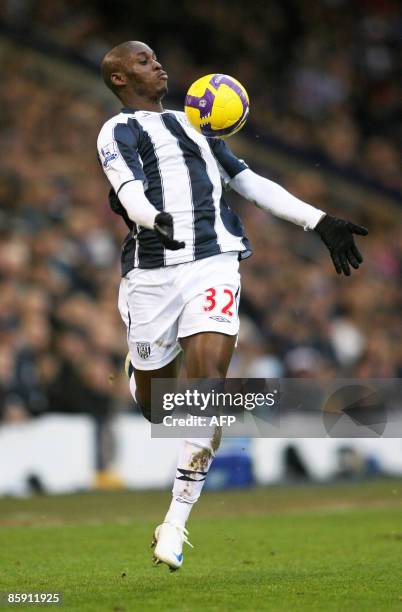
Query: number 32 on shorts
{"points": [[223, 299]]}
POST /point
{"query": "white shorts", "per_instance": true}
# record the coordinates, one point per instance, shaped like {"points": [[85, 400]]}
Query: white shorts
{"points": [[161, 305]]}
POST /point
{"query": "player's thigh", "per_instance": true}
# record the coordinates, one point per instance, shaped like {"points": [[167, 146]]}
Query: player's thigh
{"points": [[208, 354]]}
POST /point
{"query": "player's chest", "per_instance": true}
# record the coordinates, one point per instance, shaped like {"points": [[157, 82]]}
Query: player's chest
{"points": [[172, 140]]}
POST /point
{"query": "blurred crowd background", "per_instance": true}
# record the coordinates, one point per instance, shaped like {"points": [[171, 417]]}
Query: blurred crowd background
{"points": [[322, 78]]}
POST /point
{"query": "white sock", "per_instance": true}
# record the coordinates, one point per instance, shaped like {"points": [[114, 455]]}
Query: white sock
{"points": [[195, 458]]}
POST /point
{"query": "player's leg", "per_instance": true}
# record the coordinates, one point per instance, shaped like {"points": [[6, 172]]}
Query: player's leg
{"points": [[208, 328], [207, 355], [150, 308], [153, 342]]}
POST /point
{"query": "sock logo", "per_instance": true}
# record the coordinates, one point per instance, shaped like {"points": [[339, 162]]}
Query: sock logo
{"points": [[191, 475]]}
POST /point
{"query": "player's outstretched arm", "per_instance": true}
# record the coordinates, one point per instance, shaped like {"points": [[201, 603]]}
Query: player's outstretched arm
{"points": [[336, 234], [141, 211]]}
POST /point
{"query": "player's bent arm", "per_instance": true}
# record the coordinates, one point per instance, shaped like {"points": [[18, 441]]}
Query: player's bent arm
{"points": [[143, 213], [138, 207], [270, 196]]}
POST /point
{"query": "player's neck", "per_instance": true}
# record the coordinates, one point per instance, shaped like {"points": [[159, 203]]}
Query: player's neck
{"points": [[145, 104]]}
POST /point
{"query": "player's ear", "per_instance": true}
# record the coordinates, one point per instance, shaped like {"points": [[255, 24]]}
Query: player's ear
{"points": [[118, 79]]}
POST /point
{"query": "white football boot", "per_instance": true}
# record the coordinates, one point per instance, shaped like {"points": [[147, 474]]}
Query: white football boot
{"points": [[168, 542]]}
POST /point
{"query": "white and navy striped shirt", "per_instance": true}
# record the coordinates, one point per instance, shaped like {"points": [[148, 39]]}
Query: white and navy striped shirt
{"points": [[182, 173]]}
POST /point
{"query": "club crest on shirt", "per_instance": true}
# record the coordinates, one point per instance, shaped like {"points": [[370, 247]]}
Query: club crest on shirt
{"points": [[143, 349], [109, 152]]}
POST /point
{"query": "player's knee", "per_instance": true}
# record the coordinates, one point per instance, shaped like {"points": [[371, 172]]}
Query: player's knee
{"points": [[152, 415], [209, 369]]}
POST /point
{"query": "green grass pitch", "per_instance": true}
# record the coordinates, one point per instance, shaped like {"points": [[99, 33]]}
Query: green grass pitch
{"points": [[334, 547]]}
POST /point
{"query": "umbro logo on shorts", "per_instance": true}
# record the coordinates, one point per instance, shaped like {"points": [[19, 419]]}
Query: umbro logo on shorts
{"points": [[220, 319], [143, 349]]}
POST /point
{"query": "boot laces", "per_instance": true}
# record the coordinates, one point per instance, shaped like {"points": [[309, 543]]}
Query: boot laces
{"points": [[183, 532]]}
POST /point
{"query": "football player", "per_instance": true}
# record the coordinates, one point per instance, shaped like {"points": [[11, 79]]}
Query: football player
{"points": [[180, 281]]}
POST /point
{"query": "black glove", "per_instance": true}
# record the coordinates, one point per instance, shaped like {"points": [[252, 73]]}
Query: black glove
{"points": [[337, 235], [163, 227]]}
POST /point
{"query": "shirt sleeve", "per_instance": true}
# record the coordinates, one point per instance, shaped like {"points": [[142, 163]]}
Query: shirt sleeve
{"points": [[118, 154], [269, 196], [229, 165]]}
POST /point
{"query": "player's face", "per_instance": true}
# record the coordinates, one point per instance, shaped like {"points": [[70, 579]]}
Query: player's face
{"points": [[145, 74]]}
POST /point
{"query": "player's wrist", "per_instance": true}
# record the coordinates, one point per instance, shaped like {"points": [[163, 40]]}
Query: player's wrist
{"points": [[149, 220], [320, 219]]}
